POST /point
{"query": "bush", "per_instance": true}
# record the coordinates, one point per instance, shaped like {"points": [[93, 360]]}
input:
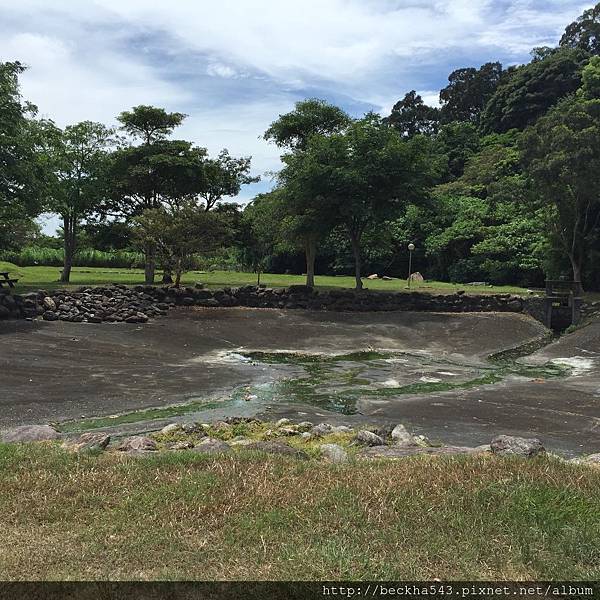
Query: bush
{"points": [[53, 257]]}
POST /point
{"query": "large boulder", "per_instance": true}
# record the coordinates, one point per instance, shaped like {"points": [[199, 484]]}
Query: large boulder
{"points": [[138, 443], [401, 437], [30, 433], [511, 444], [212, 446], [368, 438], [333, 453]]}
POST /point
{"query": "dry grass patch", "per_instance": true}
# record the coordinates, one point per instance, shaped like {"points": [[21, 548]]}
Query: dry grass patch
{"points": [[183, 515]]}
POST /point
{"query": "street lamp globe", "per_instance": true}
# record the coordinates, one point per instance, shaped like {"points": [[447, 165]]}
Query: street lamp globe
{"points": [[411, 246]]}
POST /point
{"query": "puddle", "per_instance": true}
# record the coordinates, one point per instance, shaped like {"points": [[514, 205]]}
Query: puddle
{"points": [[340, 383]]}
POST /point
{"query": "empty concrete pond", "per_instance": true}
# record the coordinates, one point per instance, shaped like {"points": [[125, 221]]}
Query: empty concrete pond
{"points": [[453, 377]]}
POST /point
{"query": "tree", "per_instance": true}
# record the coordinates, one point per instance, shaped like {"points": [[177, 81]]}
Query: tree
{"points": [[364, 175], [584, 33], [225, 176], [411, 116], [180, 231], [260, 230], [458, 141], [149, 123], [562, 156], [78, 157], [164, 172], [22, 172], [529, 91], [468, 91], [293, 131], [140, 170]]}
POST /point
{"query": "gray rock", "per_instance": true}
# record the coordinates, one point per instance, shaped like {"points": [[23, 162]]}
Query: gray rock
{"points": [[305, 426], [49, 316], [401, 437], [88, 442], [283, 422], [48, 303], [181, 446], [193, 428], [288, 431], [170, 428], [342, 429], [138, 443], [277, 448], [321, 429], [333, 453], [511, 444], [30, 433], [368, 438], [404, 451], [590, 459], [212, 446]]}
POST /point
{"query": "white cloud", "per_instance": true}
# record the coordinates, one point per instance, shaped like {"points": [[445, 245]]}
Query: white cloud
{"points": [[234, 65]]}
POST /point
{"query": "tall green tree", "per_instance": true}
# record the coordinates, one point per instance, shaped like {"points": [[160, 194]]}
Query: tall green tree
{"points": [[22, 170], [529, 91], [225, 176], [411, 116], [468, 91], [156, 172], [78, 157], [562, 156], [584, 33], [364, 175], [293, 132]]}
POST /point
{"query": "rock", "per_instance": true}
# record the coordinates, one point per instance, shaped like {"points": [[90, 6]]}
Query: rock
{"points": [[283, 422], [401, 437], [590, 460], [510, 444], [212, 446], [342, 429], [88, 442], [194, 428], [333, 453], [404, 451], [321, 429], [49, 316], [181, 446], [386, 278], [170, 428], [30, 433], [373, 276], [368, 438], [240, 441], [48, 303], [416, 277], [277, 448], [306, 435], [288, 431], [305, 426], [138, 443]]}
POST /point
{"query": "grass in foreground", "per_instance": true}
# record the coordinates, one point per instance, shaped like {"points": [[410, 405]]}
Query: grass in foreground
{"points": [[31, 278], [180, 515]]}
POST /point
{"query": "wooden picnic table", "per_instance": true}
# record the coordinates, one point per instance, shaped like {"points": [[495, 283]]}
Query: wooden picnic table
{"points": [[5, 278]]}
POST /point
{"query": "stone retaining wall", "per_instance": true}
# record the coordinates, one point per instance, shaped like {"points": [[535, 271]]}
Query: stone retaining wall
{"points": [[117, 303]]}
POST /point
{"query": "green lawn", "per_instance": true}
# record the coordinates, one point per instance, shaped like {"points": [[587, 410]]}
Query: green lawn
{"points": [[180, 515], [31, 278]]}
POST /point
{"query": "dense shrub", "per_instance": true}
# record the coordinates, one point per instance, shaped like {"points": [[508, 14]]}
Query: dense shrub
{"points": [[53, 257]]}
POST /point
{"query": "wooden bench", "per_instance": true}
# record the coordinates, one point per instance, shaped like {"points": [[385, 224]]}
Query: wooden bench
{"points": [[5, 279]]}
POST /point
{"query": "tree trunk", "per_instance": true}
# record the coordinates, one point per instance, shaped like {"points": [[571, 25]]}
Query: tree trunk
{"points": [[150, 264], [258, 277], [178, 271], [355, 240], [576, 267], [69, 248], [310, 250], [167, 275]]}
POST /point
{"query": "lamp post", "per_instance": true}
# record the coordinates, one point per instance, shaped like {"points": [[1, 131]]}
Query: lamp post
{"points": [[411, 247]]}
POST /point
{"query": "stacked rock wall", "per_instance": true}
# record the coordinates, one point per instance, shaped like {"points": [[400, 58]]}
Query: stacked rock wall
{"points": [[117, 303]]}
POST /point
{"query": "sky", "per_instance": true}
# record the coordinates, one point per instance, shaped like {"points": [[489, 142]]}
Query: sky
{"points": [[234, 65]]}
